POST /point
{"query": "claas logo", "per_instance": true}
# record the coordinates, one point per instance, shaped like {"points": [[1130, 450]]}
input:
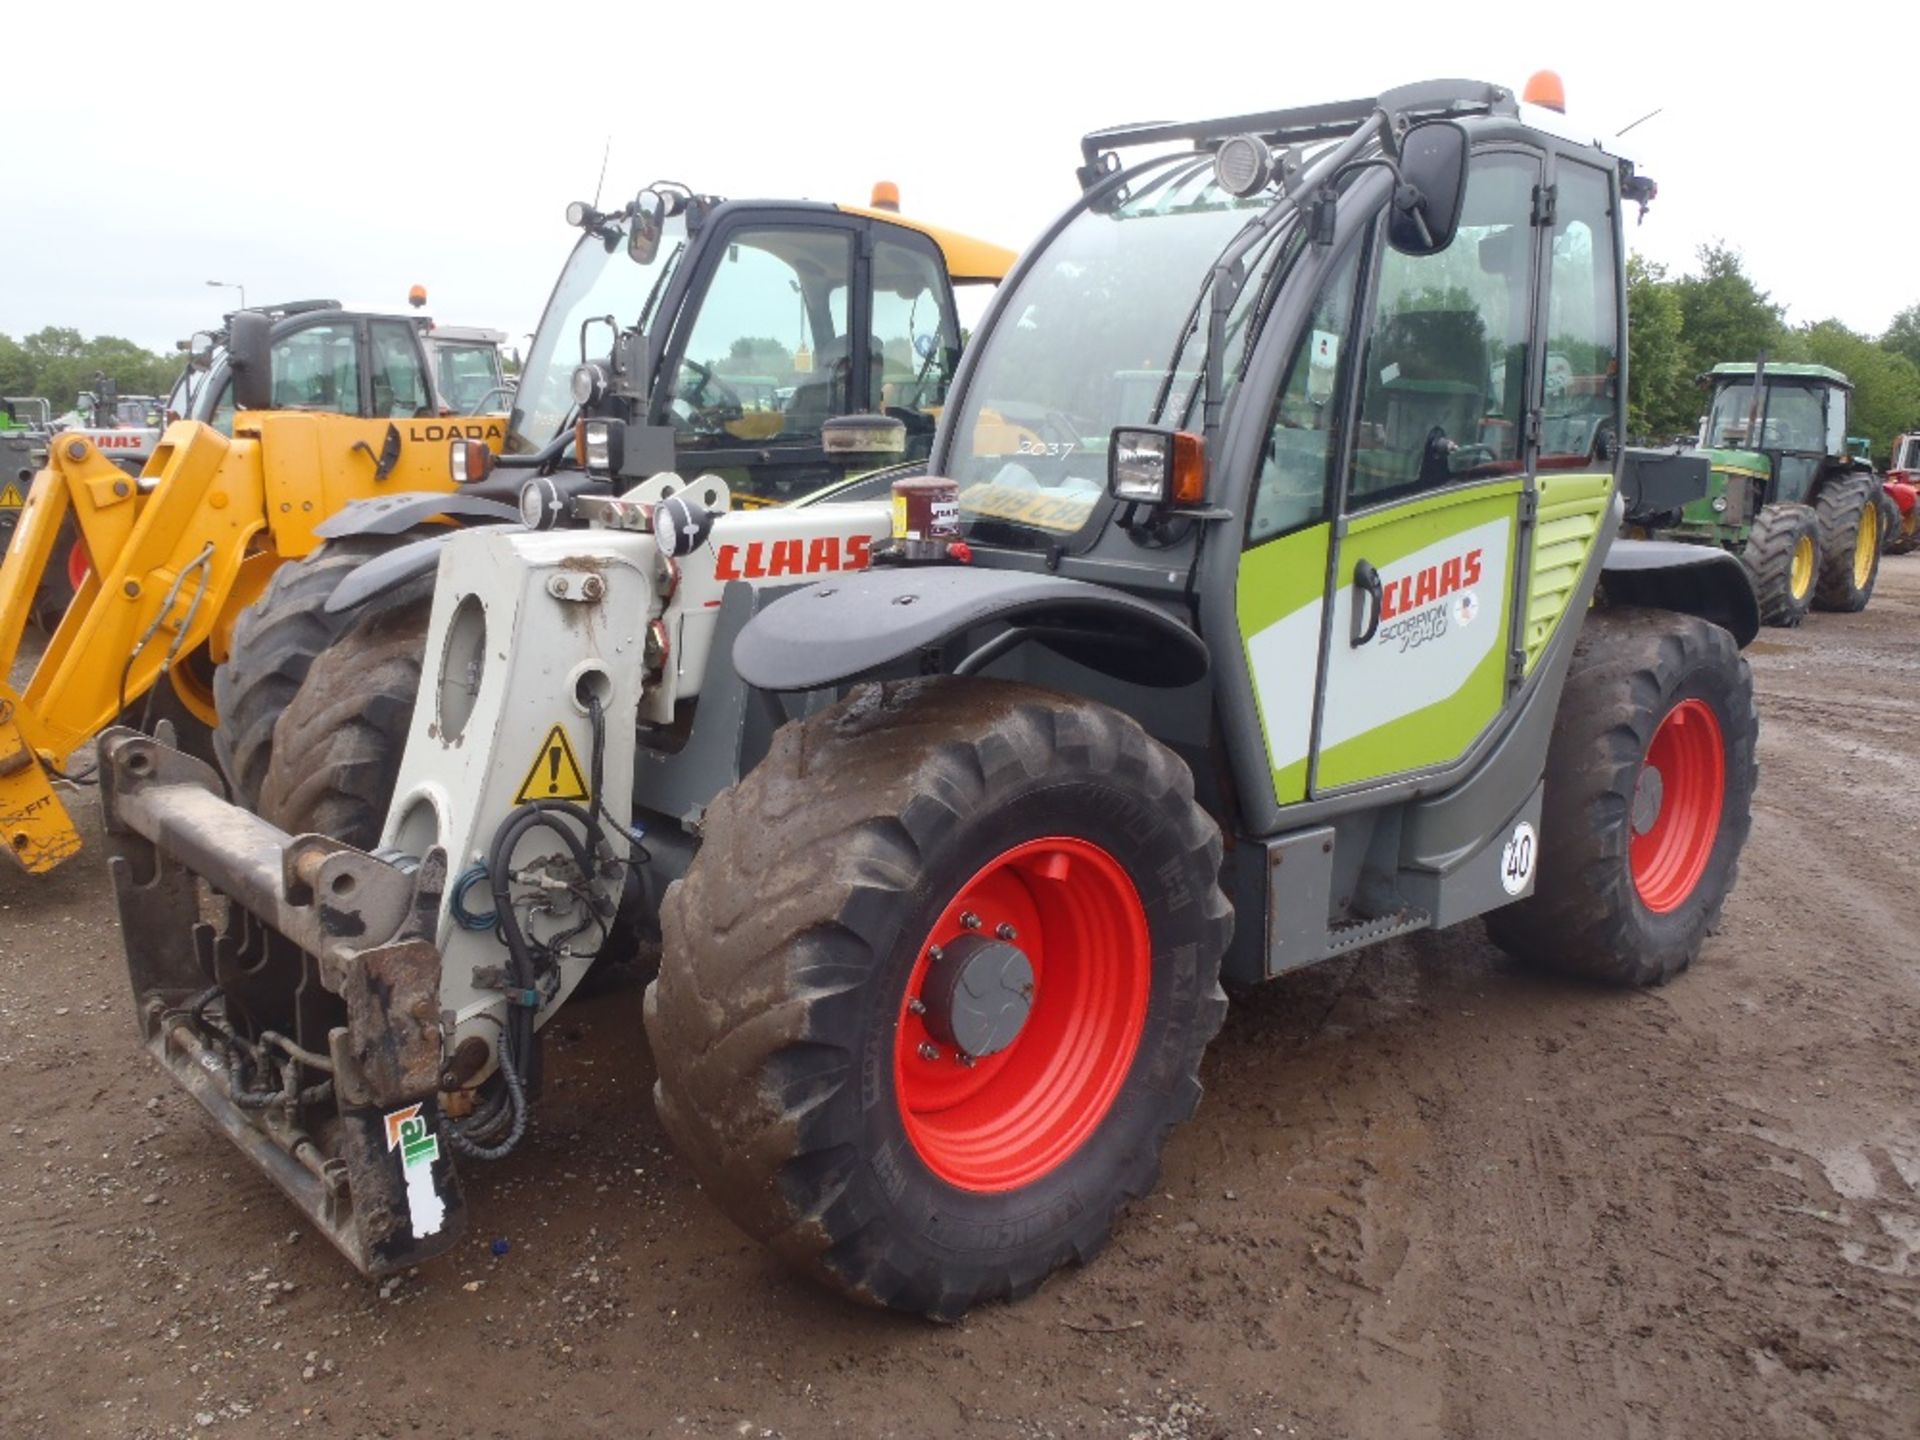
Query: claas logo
{"points": [[770, 559], [1436, 582]]}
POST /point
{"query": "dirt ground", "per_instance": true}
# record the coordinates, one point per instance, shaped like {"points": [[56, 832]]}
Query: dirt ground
{"points": [[1426, 1195]]}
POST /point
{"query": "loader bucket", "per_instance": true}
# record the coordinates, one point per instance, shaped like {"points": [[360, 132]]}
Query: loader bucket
{"points": [[292, 985]]}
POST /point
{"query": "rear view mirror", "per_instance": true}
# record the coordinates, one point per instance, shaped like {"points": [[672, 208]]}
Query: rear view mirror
{"points": [[1432, 188], [250, 353], [649, 220]]}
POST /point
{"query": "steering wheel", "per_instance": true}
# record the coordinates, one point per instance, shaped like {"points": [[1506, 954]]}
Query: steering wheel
{"points": [[713, 400]]}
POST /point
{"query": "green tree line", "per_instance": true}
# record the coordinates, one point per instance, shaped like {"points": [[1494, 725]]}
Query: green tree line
{"points": [[58, 363], [1681, 326]]}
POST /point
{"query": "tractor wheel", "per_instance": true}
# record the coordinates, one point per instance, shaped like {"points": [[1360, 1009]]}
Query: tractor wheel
{"points": [[1782, 556], [1849, 543], [935, 989], [274, 641], [336, 749], [1901, 530], [1649, 792]]}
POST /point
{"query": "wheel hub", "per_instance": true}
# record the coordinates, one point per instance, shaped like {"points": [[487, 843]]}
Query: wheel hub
{"points": [[1648, 794], [978, 995]]}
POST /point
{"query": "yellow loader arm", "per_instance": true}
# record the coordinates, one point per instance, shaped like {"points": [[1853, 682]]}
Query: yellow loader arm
{"points": [[173, 558]]}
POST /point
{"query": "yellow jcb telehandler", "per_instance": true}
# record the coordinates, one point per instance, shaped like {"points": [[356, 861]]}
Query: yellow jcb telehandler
{"points": [[298, 411]]}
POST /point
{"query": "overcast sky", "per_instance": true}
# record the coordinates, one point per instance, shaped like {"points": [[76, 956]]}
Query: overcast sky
{"points": [[349, 150]]}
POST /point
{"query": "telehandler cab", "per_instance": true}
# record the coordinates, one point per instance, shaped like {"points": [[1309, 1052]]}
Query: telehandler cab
{"points": [[292, 411], [1250, 613]]}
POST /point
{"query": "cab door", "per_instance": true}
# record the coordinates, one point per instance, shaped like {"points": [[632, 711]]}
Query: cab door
{"points": [[764, 355], [1422, 600]]}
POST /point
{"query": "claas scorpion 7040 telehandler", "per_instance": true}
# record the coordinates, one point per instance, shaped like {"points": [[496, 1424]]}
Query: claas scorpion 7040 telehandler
{"points": [[1247, 615]]}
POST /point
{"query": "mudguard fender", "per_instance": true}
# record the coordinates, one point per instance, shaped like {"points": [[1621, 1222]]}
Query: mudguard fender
{"points": [[389, 571], [397, 514], [844, 627], [1697, 580]]}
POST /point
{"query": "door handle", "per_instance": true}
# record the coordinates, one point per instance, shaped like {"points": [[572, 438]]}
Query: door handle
{"points": [[1367, 579]]}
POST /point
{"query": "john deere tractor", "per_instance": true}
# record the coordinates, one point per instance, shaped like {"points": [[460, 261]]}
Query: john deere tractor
{"points": [[1257, 601], [1791, 494]]}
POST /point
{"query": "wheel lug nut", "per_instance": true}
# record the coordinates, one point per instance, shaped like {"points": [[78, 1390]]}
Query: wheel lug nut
{"points": [[1006, 931], [916, 1006], [970, 920], [965, 1059], [929, 1051], [934, 952]]}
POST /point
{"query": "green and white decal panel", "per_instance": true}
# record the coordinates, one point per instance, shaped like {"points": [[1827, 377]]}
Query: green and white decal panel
{"points": [[1424, 685], [1426, 682]]}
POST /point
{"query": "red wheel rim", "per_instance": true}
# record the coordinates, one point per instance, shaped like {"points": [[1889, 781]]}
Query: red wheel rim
{"points": [[77, 566], [1013, 1117], [1677, 804]]}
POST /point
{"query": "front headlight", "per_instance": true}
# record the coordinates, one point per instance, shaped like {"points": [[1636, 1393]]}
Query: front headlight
{"points": [[597, 445], [1156, 467]]}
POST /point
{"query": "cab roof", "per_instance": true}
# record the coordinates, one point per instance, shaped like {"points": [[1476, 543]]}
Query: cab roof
{"points": [[969, 260], [1743, 369]]}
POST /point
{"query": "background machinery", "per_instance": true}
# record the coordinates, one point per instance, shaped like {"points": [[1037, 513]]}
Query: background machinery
{"points": [[1791, 494], [139, 577], [1250, 613], [1901, 486], [684, 331]]}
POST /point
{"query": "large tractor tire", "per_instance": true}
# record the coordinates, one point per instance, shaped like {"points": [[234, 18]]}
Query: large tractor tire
{"points": [[1649, 796], [337, 747], [1902, 527], [1782, 556], [1849, 517], [936, 987], [275, 640]]}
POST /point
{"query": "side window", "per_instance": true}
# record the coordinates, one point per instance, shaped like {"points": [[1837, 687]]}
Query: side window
{"points": [[769, 357], [469, 376], [911, 334], [221, 416], [318, 368], [1583, 326], [1303, 441], [399, 376], [1445, 374]]}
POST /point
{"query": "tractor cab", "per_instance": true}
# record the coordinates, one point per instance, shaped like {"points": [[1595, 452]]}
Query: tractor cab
{"points": [[690, 332], [1792, 419]]}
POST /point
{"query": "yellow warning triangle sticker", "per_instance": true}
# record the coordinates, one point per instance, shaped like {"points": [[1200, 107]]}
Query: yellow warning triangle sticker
{"points": [[10, 498], [555, 773]]}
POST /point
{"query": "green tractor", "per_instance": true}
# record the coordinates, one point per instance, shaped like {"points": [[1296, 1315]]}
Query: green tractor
{"points": [[1792, 494]]}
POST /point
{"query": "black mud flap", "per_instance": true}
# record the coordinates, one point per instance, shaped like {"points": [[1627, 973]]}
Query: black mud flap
{"points": [[304, 1015]]}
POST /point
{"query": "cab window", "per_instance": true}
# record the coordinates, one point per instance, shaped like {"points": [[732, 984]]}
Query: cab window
{"points": [[221, 416], [912, 335], [398, 373], [769, 357], [1577, 419], [469, 376], [1303, 440], [318, 368], [1445, 375]]}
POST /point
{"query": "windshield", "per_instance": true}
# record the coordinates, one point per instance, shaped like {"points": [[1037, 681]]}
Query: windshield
{"points": [[1792, 418], [1096, 335], [468, 375], [598, 281]]}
